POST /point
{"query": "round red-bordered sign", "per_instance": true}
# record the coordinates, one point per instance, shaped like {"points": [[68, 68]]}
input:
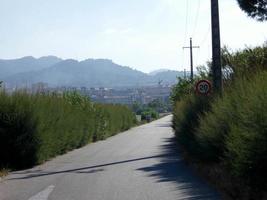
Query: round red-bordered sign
{"points": [[203, 87]]}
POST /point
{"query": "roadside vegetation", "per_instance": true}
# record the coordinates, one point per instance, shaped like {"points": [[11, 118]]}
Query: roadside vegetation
{"points": [[152, 110], [37, 127], [227, 135]]}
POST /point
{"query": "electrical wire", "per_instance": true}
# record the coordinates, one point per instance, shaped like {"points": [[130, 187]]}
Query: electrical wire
{"points": [[186, 22], [197, 57], [185, 32], [207, 33], [196, 19]]}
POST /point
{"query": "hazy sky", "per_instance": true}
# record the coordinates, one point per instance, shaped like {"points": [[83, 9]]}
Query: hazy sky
{"points": [[142, 34]]}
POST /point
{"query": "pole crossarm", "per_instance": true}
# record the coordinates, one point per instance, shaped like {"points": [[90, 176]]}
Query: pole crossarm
{"points": [[191, 47]]}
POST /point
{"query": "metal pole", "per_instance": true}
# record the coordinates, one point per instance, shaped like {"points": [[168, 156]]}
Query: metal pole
{"points": [[216, 47]]}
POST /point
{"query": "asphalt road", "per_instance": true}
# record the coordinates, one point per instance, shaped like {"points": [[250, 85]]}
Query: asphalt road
{"points": [[140, 164]]}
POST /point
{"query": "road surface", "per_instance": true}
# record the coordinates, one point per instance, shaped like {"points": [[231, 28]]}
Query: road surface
{"points": [[140, 164]]}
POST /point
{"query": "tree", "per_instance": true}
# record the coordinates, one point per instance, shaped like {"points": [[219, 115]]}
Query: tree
{"points": [[256, 9], [183, 88]]}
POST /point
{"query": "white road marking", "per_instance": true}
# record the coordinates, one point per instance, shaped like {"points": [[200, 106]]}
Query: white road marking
{"points": [[43, 195]]}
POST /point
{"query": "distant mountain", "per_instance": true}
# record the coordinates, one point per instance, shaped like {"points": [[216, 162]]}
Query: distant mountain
{"points": [[25, 64], [153, 73], [168, 76], [89, 73]]}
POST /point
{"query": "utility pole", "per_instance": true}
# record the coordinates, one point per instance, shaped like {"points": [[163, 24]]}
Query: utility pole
{"points": [[216, 47], [191, 47]]}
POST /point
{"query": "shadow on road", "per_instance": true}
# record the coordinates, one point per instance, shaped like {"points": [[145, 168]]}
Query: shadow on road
{"points": [[172, 168], [34, 174]]}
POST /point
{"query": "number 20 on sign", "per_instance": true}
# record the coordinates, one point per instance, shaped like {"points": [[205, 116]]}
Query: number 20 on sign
{"points": [[203, 87]]}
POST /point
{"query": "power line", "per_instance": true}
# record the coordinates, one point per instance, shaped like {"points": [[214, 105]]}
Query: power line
{"points": [[186, 22], [197, 57], [196, 18], [185, 30], [207, 33], [194, 28]]}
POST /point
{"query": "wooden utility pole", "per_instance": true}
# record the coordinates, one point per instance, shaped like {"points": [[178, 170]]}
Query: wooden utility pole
{"points": [[191, 47], [216, 47]]}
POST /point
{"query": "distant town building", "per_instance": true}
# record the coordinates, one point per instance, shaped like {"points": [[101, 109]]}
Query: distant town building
{"points": [[142, 95], [128, 96]]}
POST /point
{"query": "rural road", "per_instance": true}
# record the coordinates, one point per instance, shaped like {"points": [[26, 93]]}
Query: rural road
{"points": [[140, 164]]}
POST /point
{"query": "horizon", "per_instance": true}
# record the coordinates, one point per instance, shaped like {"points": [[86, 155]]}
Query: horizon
{"points": [[145, 35], [63, 59]]}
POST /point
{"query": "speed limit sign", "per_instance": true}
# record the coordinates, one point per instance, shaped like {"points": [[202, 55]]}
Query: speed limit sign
{"points": [[203, 87]]}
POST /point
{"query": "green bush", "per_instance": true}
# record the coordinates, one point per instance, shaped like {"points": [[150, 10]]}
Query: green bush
{"points": [[214, 126], [235, 131], [113, 119], [149, 113], [34, 128], [246, 62], [62, 125], [187, 114], [182, 89], [246, 143], [18, 139], [230, 131]]}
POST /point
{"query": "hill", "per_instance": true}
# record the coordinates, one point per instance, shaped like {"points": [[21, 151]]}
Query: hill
{"points": [[25, 64], [89, 73]]}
